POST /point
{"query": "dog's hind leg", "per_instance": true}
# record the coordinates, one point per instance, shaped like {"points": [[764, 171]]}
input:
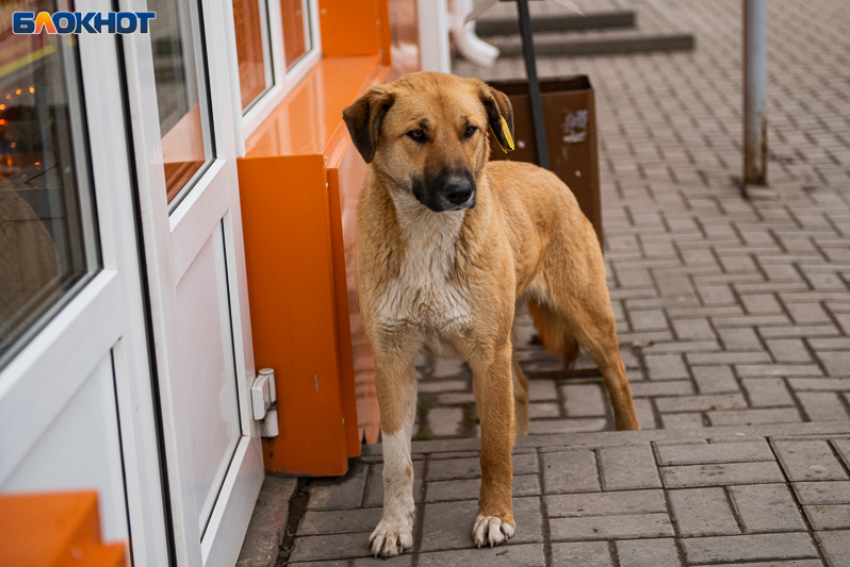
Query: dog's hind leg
{"points": [[554, 333], [493, 388], [596, 333], [395, 384], [520, 397]]}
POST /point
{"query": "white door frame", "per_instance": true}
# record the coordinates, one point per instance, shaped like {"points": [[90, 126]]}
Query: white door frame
{"points": [[171, 242], [104, 320]]}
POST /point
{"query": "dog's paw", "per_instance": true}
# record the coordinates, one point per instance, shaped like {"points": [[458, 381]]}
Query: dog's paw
{"points": [[391, 537], [491, 530]]}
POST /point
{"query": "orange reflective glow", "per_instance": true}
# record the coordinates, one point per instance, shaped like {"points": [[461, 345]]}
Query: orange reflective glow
{"points": [[32, 90], [18, 92]]}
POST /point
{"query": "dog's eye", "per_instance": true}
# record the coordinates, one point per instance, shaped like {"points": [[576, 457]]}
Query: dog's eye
{"points": [[417, 135], [470, 130]]}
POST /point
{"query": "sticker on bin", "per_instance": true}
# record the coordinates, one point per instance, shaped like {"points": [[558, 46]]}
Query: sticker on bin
{"points": [[575, 127]]}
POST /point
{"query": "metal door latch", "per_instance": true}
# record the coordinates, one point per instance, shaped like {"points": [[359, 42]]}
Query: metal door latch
{"points": [[264, 402]]}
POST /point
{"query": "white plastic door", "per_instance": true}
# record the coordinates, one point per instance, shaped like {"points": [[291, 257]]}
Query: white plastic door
{"points": [[76, 403], [186, 162]]}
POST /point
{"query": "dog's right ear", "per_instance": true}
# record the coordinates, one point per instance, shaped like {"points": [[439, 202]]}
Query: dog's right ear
{"points": [[364, 118]]}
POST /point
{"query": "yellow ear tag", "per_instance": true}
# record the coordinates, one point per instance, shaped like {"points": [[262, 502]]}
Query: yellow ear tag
{"points": [[507, 132]]}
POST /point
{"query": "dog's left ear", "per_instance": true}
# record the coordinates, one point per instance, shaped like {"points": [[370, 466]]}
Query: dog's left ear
{"points": [[364, 118], [500, 115]]}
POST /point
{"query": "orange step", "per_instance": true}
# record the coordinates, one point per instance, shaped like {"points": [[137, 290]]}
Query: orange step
{"points": [[60, 529]]}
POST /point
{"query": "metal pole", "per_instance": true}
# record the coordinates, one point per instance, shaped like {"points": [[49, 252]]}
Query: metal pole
{"points": [[533, 84], [755, 92]]}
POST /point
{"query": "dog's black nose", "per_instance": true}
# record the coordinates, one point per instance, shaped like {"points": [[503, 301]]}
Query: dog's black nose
{"points": [[458, 190]]}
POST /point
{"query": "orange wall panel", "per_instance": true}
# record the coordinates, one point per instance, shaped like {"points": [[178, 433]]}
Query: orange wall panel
{"points": [[350, 27], [293, 309]]}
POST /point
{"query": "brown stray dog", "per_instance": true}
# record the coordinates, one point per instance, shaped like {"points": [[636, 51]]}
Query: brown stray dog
{"points": [[447, 246]]}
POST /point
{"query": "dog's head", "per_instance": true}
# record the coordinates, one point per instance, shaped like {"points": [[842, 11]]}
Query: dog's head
{"points": [[428, 133]]}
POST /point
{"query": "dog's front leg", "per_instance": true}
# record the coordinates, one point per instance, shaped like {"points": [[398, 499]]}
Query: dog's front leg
{"points": [[395, 383], [493, 387]]}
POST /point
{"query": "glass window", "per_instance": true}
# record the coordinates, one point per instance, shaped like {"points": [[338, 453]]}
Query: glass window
{"points": [[255, 70], [296, 30], [48, 234], [181, 92]]}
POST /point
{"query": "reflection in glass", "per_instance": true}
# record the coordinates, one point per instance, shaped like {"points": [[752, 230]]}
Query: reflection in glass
{"points": [[181, 92], [254, 74], [296, 30], [48, 242]]}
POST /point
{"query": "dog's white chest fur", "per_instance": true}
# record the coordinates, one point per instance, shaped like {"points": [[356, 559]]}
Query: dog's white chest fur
{"points": [[422, 296]]}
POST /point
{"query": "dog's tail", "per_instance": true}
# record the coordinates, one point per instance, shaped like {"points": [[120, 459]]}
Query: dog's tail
{"points": [[554, 333]]}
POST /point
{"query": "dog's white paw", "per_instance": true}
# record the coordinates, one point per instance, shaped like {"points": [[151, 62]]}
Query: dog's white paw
{"points": [[391, 537], [491, 530]]}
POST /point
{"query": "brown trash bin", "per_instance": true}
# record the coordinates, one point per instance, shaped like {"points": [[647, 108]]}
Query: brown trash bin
{"points": [[570, 120]]}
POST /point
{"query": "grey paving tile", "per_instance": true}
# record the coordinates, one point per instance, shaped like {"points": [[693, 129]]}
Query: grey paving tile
{"points": [[754, 416], [792, 563], [605, 503], [767, 392], [541, 390], [828, 516], [575, 425], [584, 400], [340, 494], [648, 553], [662, 388], [317, 522], [702, 512], [342, 563], [843, 448], [611, 527], [404, 560], [570, 471], [586, 554], [701, 403], [827, 492], [448, 525], [448, 469], [732, 549], [721, 474], [743, 452], [836, 547], [666, 367], [809, 460], [543, 410], [626, 468], [442, 491], [445, 421], [823, 406], [682, 421], [766, 508], [323, 547], [529, 555], [715, 379]]}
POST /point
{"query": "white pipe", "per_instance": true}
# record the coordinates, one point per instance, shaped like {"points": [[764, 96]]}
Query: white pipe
{"points": [[434, 52], [472, 47]]}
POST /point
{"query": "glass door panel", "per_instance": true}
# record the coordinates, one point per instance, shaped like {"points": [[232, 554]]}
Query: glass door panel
{"points": [[184, 112], [48, 237]]}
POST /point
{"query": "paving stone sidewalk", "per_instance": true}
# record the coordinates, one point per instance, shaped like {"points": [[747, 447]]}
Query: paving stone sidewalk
{"points": [[729, 311], [760, 496]]}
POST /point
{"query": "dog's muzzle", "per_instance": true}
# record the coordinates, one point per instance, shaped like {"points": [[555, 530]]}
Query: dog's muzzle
{"points": [[448, 191]]}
